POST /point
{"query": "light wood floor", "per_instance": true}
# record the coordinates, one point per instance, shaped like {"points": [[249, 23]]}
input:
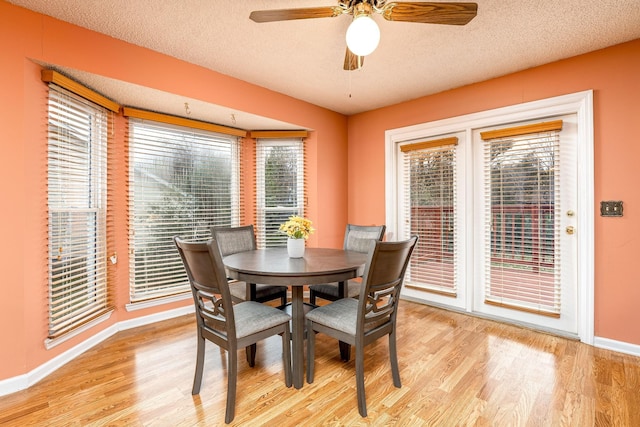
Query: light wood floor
{"points": [[456, 370]]}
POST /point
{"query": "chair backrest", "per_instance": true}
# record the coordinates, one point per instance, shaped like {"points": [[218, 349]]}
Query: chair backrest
{"points": [[381, 284], [211, 296], [232, 240], [359, 238]]}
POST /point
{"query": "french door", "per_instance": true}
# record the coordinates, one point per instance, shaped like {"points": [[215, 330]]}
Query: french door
{"points": [[524, 206], [497, 209]]}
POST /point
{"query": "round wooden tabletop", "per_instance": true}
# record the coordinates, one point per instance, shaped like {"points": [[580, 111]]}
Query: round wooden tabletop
{"points": [[273, 266]]}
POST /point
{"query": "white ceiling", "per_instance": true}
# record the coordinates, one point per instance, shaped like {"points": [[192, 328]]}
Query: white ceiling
{"points": [[304, 58]]}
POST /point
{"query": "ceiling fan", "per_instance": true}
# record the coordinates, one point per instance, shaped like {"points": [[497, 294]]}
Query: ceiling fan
{"points": [[363, 34]]}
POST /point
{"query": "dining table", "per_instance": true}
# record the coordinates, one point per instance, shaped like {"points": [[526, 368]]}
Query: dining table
{"points": [[273, 266]]}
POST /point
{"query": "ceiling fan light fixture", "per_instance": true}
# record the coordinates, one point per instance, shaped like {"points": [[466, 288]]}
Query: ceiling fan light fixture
{"points": [[363, 35]]}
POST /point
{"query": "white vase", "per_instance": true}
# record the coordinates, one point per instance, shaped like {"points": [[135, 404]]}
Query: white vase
{"points": [[295, 248]]}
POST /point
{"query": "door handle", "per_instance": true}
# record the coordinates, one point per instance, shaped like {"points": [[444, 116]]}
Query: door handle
{"points": [[570, 229]]}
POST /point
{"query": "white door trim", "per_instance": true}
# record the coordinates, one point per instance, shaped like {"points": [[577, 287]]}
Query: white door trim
{"points": [[581, 104]]}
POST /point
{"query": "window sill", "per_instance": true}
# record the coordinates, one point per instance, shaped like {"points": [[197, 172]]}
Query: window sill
{"points": [[133, 306], [49, 343]]}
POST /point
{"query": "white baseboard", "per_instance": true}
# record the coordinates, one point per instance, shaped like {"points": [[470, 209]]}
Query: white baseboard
{"points": [[157, 317], [21, 382], [619, 346]]}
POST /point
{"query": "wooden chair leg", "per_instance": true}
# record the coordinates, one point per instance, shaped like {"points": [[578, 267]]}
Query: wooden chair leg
{"points": [[312, 297], [393, 356], [250, 350], [311, 343], [362, 402], [345, 351], [197, 378], [232, 379], [286, 357]]}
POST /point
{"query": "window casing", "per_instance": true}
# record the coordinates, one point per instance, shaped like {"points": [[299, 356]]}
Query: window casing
{"points": [[182, 181], [280, 187], [78, 133]]}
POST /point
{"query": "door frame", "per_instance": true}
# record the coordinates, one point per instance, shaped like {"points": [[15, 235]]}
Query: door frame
{"points": [[579, 103]]}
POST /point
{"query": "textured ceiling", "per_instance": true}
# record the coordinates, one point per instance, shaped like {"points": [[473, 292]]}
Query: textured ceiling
{"points": [[304, 58]]}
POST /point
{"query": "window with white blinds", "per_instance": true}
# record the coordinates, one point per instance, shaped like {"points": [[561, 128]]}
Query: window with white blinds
{"points": [[521, 221], [183, 181], [429, 210], [280, 187], [78, 133]]}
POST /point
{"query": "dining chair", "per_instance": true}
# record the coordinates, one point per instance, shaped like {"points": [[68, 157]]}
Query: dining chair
{"points": [[357, 238], [232, 240], [220, 321], [373, 315]]}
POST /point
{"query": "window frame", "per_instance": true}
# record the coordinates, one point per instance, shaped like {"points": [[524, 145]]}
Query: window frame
{"points": [[170, 282], [76, 185], [264, 240]]}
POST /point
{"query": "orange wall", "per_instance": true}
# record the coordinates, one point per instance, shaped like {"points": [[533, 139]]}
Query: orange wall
{"points": [[614, 76], [26, 37]]}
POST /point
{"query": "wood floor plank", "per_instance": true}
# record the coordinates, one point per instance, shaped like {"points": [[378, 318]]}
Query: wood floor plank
{"points": [[455, 369]]}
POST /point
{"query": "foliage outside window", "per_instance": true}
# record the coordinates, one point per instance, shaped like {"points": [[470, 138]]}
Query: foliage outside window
{"points": [[183, 181], [280, 187]]}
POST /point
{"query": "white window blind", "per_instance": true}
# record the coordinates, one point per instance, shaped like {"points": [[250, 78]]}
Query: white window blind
{"points": [[521, 220], [183, 181], [77, 205], [280, 187], [429, 210]]}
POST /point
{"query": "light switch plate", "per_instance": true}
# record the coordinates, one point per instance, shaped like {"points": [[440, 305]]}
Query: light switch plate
{"points": [[611, 208]]}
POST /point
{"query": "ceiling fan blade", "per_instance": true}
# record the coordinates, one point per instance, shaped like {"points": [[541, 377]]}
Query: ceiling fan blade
{"points": [[352, 61], [430, 13], [289, 14]]}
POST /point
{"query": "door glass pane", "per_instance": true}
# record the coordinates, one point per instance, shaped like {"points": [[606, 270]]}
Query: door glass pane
{"points": [[521, 177], [430, 210]]}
